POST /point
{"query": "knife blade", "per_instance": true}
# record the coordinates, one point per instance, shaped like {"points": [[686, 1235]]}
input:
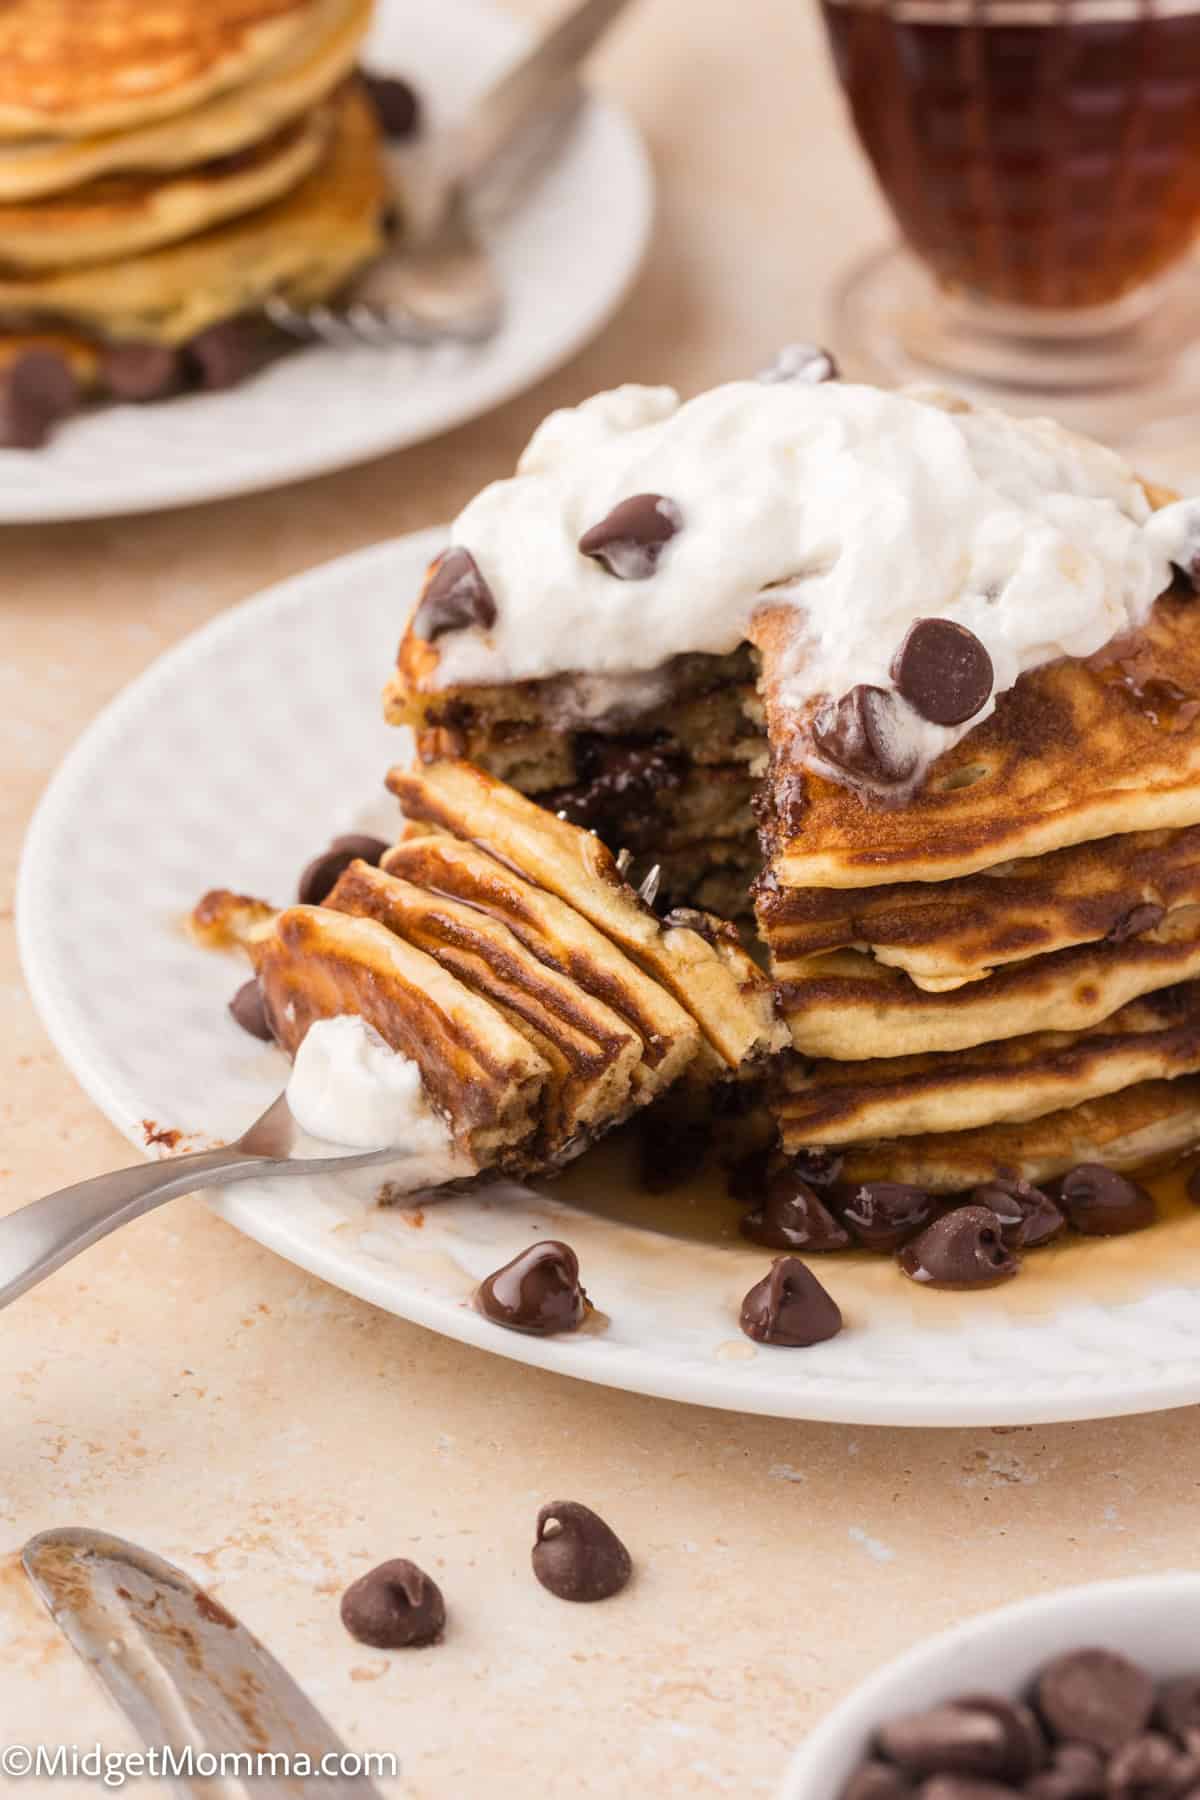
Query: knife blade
{"points": [[186, 1674]]}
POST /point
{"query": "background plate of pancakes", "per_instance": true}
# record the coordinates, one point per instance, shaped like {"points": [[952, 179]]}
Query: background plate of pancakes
{"points": [[150, 200], [1094, 1327]]}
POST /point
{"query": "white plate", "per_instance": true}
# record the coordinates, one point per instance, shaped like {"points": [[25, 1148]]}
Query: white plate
{"points": [[229, 763], [567, 260]]}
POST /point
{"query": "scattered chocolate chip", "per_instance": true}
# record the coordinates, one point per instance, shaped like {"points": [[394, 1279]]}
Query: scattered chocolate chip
{"points": [[631, 539], [1101, 1203], [394, 1606], [250, 1012], [538, 1291], [943, 671], [322, 874], [1076, 1772], [38, 391], [964, 1248], [456, 598], [861, 735], [1095, 1697], [800, 362], [878, 1781], [792, 1217], [1179, 1708], [672, 1151], [789, 1306], [576, 1555], [1146, 917], [1028, 1216], [227, 354], [882, 1215], [1150, 1767], [955, 1739], [396, 104], [138, 372]]}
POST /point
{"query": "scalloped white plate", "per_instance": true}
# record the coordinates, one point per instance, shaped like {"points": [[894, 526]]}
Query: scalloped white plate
{"points": [[567, 259], [228, 763]]}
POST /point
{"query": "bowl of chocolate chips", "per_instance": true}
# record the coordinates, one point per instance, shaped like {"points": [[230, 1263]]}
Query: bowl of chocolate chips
{"points": [[1091, 1693]]}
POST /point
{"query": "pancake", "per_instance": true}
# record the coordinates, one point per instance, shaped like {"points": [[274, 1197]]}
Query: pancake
{"points": [[1154, 1038], [1145, 1125], [69, 69], [307, 73], [305, 246], [119, 216], [849, 1007]]}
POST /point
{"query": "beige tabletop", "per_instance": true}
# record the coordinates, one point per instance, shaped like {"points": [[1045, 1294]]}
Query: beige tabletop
{"points": [[181, 1386]]}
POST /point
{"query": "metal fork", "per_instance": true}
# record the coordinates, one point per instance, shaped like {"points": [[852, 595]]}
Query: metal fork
{"points": [[440, 284], [39, 1238]]}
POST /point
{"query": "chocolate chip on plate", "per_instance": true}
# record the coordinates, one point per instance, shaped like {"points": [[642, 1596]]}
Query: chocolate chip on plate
{"points": [[860, 734], [37, 391], [943, 671], [1026, 1742], [800, 362], [878, 1781], [394, 1606], [790, 1307], [139, 372], [1178, 1708], [1095, 1697], [791, 1216], [959, 1738], [576, 1555], [962, 1249], [456, 597], [1147, 916], [228, 353], [965, 1787], [537, 1292], [249, 1009], [319, 877], [1075, 1772], [630, 540], [819, 1167], [882, 1215], [396, 104], [1150, 1767], [1101, 1203], [1028, 1216]]}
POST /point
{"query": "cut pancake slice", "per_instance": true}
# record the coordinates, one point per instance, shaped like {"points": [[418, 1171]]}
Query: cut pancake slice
{"points": [[1145, 1125], [1154, 1038], [848, 1006]]}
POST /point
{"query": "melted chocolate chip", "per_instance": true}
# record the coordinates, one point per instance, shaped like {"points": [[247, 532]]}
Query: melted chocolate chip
{"points": [[249, 1010], [456, 598], [538, 1292], [791, 1217], [962, 1249], [956, 1739], [322, 874], [819, 1167], [1028, 1216], [227, 354], [1146, 917], [620, 790], [860, 735], [1101, 1203], [1095, 1697], [396, 104], [800, 362], [137, 372], [943, 671], [394, 1606], [576, 1555], [882, 1215], [790, 1307], [878, 1781], [630, 540], [37, 392]]}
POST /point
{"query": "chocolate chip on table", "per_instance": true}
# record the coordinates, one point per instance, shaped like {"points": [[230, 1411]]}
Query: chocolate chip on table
{"points": [[538, 1292], [138, 372], [630, 540], [319, 877], [576, 1555], [394, 1607], [1148, 916], [228, 353], [943, 671], [1101, 1203], [396, 104], [790, 1307], [38, 391], [456, 597], [249, 1009], [882, 1215], [878, 1781], [860, 734], [962, 1249], [1028, 1216], [791, 1216], [1095, 1697], [800, 362]]}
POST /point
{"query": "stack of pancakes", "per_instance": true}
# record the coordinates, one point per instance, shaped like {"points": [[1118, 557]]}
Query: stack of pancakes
{"points": [[166, 168]]}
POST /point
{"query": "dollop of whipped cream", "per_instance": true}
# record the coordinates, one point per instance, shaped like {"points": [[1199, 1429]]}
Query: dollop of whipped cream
{"points": [[863, 509], [349, 1087]]}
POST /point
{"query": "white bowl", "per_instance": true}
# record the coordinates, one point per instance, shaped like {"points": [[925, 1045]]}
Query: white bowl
{"points": [[1155, 1619]]}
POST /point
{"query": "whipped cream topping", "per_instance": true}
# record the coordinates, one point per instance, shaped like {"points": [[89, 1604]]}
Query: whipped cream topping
{"points": [[861, 509]]}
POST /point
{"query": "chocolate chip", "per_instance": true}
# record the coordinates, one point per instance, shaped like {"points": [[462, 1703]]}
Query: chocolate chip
{"points": [[1179, 1708], [956, 1739], [394, 1606], [792, 1217], [225, 355], [396, 104], [1150, 1767], [576, 1555], [1137, 920], [789, 1306], [861, 735], [877, 1781], [1009, 1216], [37, 391], [962, 1249], [800, 362], [1101, 1203], [456, 598], [1095, 1697], [707, 925], [882, 1215], [631, 539], [250, 1012], [362, 847], [1026, 1744], [943, 671], [1037, 1219], [138, 372], [1076, 1772], [819, 1167], [538, 1291], [965, 1787], [322, 874]]}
